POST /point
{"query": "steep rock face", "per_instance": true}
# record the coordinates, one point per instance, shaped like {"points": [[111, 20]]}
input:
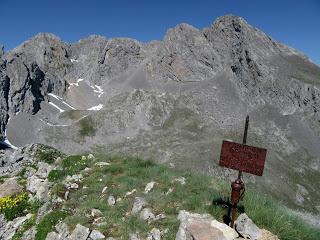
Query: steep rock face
{"points": [[31, 71], [172, 100], [4, 91]]}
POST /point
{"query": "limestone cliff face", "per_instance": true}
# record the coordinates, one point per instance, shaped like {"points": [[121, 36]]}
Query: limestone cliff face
{"points": [[173, 100]]}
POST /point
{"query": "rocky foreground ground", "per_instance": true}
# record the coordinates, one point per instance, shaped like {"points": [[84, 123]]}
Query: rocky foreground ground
{"points": [[45, 194]]}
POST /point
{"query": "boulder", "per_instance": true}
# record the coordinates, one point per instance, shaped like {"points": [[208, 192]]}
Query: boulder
{"points": [[138, 204], [38, 186], [134, 236], [111, 201], [30, 234], [53, 236], [44, 169], [80, 233], [95, 235], [96, 212], [101, 164], [266, 235], [154, 234], [147, 215], [11, 227], [181, 180], [195, 226], [62, 229], [246, 227], [10, 187], [149, 187]]}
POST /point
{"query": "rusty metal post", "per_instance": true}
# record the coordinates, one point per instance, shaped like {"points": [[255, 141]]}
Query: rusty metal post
{"points": [[238, 186], [236, 195]]}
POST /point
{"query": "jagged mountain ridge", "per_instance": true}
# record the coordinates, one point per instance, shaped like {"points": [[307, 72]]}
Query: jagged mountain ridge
{"points": [[172, 100]]}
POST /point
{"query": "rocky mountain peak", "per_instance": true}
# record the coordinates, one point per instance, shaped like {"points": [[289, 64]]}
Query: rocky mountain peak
{"points": [[195, 88], [1, 50]]}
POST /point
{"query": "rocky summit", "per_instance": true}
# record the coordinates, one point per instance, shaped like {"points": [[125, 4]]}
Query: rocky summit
{"points": [[172, 101]]}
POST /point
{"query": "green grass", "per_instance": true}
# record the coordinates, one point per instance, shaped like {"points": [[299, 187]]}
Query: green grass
{"points": [[47, 154], [87, 127], [3, 178], [24, 227], [48, 222], [70, 165], [125, 174]]}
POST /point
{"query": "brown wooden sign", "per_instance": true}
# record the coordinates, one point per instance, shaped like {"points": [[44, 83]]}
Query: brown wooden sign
{"points": [[243, 157]]}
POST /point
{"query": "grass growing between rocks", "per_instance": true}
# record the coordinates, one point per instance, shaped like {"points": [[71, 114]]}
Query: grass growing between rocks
{"points": [[168, 197], [47, 154]]}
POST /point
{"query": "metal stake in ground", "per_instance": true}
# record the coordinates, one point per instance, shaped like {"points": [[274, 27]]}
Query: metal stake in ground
{"points": [[238, 185], [243, 158]]}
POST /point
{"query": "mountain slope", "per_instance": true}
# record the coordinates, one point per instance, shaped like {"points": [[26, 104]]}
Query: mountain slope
{"points": [[172, 100]]}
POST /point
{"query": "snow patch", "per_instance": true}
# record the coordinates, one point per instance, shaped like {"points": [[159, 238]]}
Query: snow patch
{"points": [[53, 125], [76, 83], [6, 138], [96, 108], [74, 60], [61, 100], [99, 90], [60, 109]]}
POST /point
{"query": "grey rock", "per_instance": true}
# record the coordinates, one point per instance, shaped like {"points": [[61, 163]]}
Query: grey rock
{"points": [[53, 236], [134, 236], [3, 222], [73, 178], [138, 204], [62, 229], [95, 235], [181, 180], [71, 186], [38, 186], [44, 169], [80, 233], [66, 195], [30, 171], [149, 187], [1, 50], [246, 227], [154, 234], [11, 227], [30, 234], [160, 216], [96, 213], [111, 201], [10, 187], [147, 215], [202, 226]]}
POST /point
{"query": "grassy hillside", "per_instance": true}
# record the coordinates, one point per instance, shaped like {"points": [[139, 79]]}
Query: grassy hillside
{"points": [[168, 196]]}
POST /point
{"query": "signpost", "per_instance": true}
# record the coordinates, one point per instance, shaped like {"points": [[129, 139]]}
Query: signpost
{"points": [[243, 158]]}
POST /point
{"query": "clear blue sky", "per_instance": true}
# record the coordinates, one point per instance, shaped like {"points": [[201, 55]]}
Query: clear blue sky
{"points": [[293, 22]]}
